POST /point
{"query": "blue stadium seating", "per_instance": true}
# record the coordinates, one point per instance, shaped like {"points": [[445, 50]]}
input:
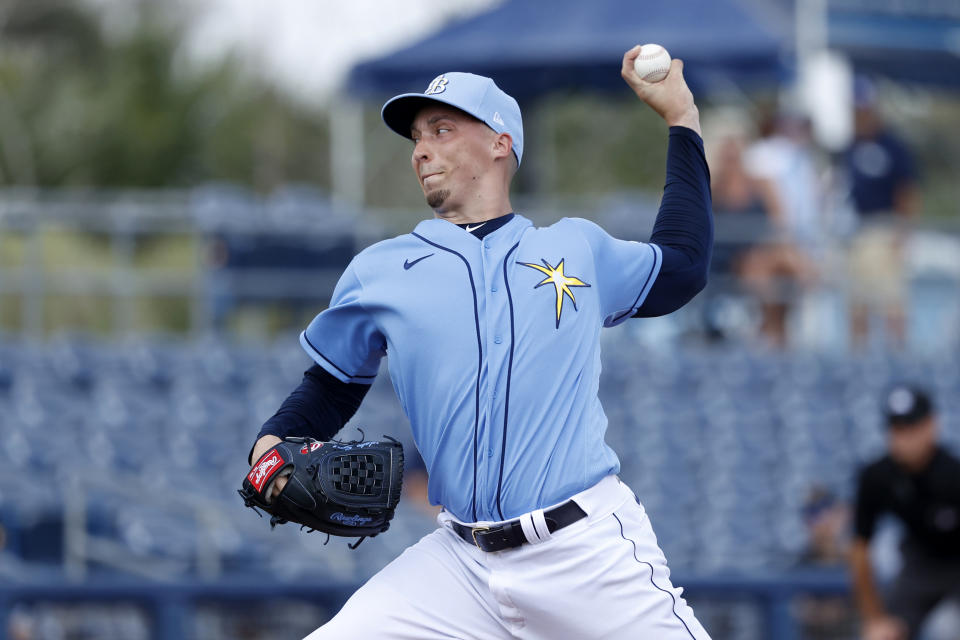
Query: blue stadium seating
{"points": [[722, 445]]}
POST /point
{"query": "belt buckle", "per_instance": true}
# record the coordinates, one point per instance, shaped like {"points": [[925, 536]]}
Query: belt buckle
{"points": [[473, 532]]}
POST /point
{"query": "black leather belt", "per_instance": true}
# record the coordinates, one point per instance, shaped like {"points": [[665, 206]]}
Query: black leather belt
{"points": [[510, 534]]}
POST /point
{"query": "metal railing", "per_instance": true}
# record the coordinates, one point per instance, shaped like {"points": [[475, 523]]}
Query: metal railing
{"points": [[81, 547], [172, 604], [121, 221]]}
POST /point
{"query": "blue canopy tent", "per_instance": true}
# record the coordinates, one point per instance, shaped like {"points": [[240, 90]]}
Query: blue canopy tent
{"points": [[530, 46], [533, 46]]}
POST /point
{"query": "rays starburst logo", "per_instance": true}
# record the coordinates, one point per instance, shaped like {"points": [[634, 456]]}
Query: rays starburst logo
{"points": [[560, 281]]}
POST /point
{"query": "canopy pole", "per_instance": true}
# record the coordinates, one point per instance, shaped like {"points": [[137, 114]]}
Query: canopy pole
{"points": [[347, 153], [811, 29], [824, 77]]}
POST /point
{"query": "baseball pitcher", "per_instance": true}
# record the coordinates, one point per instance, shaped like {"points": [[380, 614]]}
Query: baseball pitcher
{"points": [[492, 329]]}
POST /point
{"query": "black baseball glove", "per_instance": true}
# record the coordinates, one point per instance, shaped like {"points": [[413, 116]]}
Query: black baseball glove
{"points": [[339, 488]]}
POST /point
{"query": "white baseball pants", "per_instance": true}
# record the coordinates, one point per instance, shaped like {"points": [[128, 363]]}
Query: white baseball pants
{"points": [[602, 577]]}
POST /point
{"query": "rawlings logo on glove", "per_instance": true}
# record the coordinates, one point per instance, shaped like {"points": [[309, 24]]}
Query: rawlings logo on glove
{"points": [[339, 488], [350, 521], [265, 469]]}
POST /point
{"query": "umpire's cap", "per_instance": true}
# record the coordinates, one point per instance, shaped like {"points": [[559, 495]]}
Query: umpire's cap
{"points": [[477, 95], [906, 404]]}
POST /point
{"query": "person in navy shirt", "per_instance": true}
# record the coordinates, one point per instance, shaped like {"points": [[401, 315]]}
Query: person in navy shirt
{"points": [[884, 192]]}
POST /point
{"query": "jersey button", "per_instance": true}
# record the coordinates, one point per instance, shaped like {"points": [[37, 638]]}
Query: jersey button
{"points": [[497, 339], [486, 244], [493, 288]]}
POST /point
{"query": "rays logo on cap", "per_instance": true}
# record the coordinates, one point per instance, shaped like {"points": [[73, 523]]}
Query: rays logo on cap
{"points": [[439, 85]]}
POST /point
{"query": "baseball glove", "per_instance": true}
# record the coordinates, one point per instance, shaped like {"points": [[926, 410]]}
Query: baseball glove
{"points": [[339, 488]]}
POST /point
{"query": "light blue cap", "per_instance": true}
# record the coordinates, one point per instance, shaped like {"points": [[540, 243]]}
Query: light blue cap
{"points": [[476, 95]]}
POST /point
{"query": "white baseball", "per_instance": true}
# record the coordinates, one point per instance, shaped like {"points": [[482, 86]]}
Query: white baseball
{"points": [[653, 63]]}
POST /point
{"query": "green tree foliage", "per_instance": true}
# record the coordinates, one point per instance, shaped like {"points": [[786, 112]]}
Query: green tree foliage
{"points": [[79, 108], [606, 143]]}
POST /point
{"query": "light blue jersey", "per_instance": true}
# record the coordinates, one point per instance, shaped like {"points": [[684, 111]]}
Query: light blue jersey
{"points": [[493, 350]]}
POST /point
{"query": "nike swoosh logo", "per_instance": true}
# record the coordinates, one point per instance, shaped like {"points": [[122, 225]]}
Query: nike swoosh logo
{"points": [[407, 264], [468, 228]]}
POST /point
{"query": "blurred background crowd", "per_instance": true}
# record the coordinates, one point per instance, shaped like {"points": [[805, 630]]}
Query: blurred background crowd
{"points": [[181, 184]]}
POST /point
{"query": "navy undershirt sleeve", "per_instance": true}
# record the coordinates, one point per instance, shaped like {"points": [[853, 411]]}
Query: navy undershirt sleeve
{"points": [[684, 226], [318, 408]]}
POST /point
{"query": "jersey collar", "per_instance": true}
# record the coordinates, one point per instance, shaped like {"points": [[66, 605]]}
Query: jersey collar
{"points": [[452, 236], [480, 230]]}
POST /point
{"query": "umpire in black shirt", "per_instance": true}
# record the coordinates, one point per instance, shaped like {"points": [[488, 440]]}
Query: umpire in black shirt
{"points": [[918, 481]]}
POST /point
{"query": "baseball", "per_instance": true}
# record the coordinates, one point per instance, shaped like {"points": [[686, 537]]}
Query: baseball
{"points": [[653, 63]]}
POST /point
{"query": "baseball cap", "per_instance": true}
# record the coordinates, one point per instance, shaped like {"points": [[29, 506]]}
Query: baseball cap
{"points": [[477, 95], [906, 405]]}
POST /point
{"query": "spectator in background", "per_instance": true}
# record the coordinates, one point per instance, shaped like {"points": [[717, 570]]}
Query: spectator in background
{"points": [[918, 482], [786, 156], [883, 189], [751, 241], [827, 519]]}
